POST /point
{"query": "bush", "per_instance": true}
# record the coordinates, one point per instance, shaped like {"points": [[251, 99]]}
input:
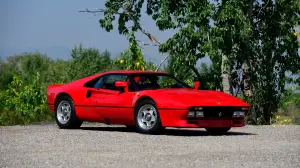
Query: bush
{"points": [[22, 104]]}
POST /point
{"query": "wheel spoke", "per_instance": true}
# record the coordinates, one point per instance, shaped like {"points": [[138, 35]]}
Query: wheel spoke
{"points": [[147, 116], [151, 112], [144, 113], [64, 112]]}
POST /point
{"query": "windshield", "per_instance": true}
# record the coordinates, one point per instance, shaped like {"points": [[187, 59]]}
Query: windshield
{"points": [[156, 81]]}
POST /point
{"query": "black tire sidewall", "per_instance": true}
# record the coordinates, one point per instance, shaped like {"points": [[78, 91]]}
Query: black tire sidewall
{"points": [[157, 128]]}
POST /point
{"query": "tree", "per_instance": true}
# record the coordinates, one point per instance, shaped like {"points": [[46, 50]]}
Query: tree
{"points": [[229, 31], [6, 74], [31, 63], [187, 44], [250, 40], [88, 61], [275, 53], [131, 58]]}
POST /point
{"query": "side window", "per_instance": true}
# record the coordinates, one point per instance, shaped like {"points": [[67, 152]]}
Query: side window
{"points": [[98, 83], [109, 81], [94, 83]]}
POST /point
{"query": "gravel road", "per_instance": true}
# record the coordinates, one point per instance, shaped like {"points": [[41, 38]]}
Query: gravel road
{"points": [[98, 145]]}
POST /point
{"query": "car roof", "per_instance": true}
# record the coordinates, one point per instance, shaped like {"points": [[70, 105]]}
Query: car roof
{"points": [[132, 72], [82, 81]]}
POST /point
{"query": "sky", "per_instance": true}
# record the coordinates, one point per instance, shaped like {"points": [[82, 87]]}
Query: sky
{"points": [[55, 27]]}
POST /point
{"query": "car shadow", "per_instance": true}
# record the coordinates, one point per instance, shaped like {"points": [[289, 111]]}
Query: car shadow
{"points": [[168, 131]]}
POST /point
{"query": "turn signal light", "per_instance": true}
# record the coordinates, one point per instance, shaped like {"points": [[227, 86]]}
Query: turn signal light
{"points": [[193, 108], [245, 108]]}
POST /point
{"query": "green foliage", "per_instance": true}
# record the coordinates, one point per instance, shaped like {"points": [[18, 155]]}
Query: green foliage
{"points": [[25, 77], [274, 54], [252, 43], [210, 77], [6, 73], [132, 58], [181, 71], [209, 74], [22, 104], [88, 57], [31, 63], [289, 108], [59, 71]]}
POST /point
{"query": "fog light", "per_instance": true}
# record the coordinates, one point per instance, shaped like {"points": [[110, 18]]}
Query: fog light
{"points": [[199, 114], [191, 114], [242, 114], [238, 114]]}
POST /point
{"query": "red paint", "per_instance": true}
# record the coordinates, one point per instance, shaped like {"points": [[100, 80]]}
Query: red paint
{"points": [[122, 84], [197, 84], [177, 118], [118, 107]]}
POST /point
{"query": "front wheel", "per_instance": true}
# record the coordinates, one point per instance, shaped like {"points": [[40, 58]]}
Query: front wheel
{"points": [[218, 131], [65, 115], [147, 118]]}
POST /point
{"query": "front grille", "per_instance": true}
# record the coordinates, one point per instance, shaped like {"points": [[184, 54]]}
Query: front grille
{"points": [[219, 111]]}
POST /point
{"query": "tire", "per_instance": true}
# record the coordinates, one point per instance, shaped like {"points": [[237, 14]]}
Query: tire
{"points": [[65, 115], [146, 113], [131, 127], [218, 131]]}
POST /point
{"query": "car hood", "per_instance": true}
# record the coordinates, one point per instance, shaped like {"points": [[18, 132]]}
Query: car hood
{"points": [[191, 97]]}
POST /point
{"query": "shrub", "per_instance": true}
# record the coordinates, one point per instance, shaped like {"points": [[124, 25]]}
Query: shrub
{"points": [[22, 104]]}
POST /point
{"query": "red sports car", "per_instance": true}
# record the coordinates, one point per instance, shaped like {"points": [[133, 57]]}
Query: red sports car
{"points": [[145, 100]]}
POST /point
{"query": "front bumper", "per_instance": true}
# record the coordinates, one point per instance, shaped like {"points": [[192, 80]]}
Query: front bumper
{"points": [[177, 118]]}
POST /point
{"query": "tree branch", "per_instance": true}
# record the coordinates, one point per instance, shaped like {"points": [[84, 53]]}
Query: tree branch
{"points": [[162, 61], [149, 35], [147, 43]]}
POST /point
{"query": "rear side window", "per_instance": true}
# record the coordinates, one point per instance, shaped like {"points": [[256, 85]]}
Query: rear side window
{"points": [[94, 83]]}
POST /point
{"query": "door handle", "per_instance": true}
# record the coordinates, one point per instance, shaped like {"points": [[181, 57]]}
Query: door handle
{"points": [[88, 94]]}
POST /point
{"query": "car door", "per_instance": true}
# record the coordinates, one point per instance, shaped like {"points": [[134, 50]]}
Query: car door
{"points": [[114, 105], [86, 98]]}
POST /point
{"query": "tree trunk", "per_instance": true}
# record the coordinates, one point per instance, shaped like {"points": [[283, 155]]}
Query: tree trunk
{"points": [[245, 67], [226, 78]]}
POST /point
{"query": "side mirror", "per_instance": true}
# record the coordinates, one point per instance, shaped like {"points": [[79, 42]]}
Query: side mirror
{"points": [[196, 85], [122, 84]]}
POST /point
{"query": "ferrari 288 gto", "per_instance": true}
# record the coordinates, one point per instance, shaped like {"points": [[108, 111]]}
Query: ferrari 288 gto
{"points": [[144, 100]]}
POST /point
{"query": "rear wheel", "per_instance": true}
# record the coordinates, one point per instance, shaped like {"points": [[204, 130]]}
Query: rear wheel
{"points": [[65, 115], [218, 131], [147, 118]]}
